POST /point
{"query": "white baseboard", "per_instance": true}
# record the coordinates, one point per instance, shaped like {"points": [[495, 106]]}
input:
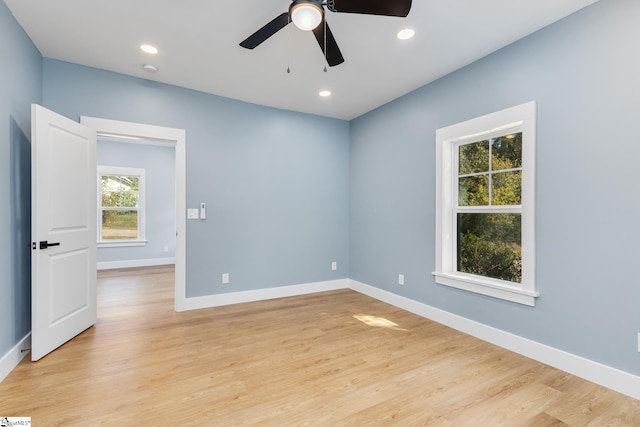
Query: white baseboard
{"points": [[110, 265], [620, 381], [218, 300], [10, 360]]}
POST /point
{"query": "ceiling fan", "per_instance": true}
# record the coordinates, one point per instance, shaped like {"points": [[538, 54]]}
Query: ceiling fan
{"points": [[308, 15]]}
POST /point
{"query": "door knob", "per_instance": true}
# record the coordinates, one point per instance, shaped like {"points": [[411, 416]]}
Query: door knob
{"points": [[44, 244]]}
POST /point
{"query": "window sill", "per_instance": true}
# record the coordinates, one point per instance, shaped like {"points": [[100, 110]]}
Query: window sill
{"points": [[486, 286], [121, 243]]}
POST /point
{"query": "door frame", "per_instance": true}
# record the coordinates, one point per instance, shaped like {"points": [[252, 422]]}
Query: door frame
{"points": [[168, 137]]}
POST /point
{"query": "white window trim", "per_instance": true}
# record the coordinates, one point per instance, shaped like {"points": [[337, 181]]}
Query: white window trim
{"points": [[117, 170], [521, 118]]}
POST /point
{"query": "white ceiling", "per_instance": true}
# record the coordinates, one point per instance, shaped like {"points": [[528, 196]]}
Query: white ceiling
{"points": [[198, 42]]}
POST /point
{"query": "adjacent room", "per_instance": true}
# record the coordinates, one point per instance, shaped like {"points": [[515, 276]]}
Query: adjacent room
{"points": [[409, 213]]}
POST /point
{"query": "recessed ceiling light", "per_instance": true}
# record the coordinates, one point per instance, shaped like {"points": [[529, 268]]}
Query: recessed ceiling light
{"points": [[149, 49], [325, 93], [406, 34]]}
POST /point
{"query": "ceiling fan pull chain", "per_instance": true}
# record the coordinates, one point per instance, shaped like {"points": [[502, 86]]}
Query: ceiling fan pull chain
{"points": [[325, 44], [288, 49]]}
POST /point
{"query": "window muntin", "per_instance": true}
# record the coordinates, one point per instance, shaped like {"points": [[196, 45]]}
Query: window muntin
{"points": [[121, 205], [485, 234]]}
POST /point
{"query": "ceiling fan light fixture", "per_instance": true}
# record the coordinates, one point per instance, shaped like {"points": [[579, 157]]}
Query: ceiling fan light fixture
{"points": [[306, 14]]}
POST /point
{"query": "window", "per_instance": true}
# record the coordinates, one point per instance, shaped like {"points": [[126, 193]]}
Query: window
{"points": [[485, 194], [120, 206]]}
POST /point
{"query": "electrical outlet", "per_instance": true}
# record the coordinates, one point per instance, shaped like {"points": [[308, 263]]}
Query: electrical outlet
{"points": [[165, 249], [225, 278], [638, 342], [401, 279], [334, 266]]}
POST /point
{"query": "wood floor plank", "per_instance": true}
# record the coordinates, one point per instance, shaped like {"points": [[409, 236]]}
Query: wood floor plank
{"points": [[336, 358]]}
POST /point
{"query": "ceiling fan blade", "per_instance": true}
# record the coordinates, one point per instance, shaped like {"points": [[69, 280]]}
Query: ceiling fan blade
{"points": [[333, 54], [265, 32], [371, 7]]}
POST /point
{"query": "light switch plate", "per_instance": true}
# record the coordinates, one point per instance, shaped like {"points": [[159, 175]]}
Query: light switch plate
{"points": [[193, 213]]}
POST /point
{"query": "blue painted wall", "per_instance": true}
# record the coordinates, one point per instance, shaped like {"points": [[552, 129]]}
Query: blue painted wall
{"points": [[275, 182], [20, 85], [584, 72], [159, 165]]}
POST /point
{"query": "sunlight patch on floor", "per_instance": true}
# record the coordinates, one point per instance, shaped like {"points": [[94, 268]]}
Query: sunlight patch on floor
{"points": [[378, 322]]}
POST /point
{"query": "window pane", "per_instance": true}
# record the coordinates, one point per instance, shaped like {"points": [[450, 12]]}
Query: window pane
{"points": [[129, 196], [506, 152], [120, 191], [506, 188], [119, 225], [490, 245], [110, 191], [473, 158], [473, 191]]}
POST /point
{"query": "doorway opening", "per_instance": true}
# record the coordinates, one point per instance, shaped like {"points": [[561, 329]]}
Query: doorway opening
{"points": [[160, 136]]}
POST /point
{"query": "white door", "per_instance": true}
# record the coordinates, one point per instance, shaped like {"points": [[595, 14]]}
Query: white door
{"points": [[63, 230]]}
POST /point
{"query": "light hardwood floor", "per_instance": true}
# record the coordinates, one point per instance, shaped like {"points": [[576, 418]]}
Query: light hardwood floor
{"points": [[330, 359]]}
